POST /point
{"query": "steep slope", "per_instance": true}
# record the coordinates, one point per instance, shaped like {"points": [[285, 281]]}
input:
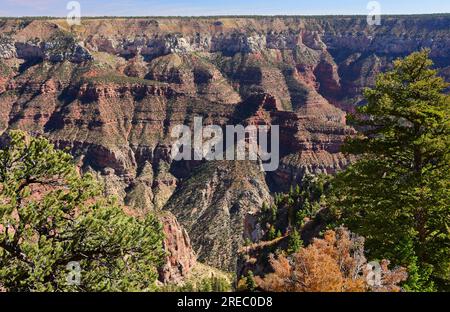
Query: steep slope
{"points": [[217, 205]]}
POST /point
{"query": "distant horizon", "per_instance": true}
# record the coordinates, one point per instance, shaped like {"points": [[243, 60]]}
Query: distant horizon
{"points": [[220, 16], [206, 8]]}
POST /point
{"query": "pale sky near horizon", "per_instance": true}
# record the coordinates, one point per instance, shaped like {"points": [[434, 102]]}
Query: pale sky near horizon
{"points": [[218, 7]]}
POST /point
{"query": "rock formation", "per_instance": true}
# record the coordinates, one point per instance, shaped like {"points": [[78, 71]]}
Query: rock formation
{"points": [[180, 258]]}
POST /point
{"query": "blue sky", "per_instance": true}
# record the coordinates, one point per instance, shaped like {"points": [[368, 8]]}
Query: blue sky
{"points": [[218, 7]]}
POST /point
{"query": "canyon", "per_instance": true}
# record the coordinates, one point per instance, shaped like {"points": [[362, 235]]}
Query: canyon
{"points": [[110, 91]]}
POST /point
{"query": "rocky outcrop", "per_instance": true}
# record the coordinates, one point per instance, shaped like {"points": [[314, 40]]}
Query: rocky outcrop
{"points": [[40, 40], [53, 51], [180, 258], [7, 49]]}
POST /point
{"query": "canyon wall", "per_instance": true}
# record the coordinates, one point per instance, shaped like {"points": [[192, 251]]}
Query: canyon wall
{"points": [[111, 90]]}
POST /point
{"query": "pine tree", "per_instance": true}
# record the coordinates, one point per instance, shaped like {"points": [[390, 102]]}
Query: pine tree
{"points": [[273, 210], [295, 242], [271, 235], [250, 281], [397, 193], [50, 217]]}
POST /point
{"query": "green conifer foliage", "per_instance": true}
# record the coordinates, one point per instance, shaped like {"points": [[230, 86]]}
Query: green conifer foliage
{"points": [[58, 233], [397, 193]]}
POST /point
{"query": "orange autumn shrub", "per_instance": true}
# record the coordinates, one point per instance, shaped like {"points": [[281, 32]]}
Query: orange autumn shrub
{"points": [[335, 263]]}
